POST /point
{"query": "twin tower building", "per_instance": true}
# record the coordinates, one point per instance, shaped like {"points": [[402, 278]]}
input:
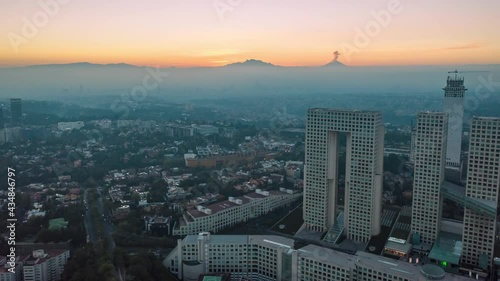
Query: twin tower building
{"points": [[437, 147]]}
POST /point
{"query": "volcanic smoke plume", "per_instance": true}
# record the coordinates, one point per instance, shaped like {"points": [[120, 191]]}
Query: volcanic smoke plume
{"points": [[336, 55]]}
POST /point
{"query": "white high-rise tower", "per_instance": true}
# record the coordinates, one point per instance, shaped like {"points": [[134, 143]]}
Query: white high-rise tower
{"points": [[454, 105], [430, 149], [483, 185], [364, 167]]}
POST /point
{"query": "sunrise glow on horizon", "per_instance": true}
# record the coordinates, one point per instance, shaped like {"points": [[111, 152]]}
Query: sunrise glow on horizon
{"points": [[187, 33]]}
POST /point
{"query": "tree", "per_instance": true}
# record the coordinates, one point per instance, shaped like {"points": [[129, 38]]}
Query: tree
{"points": [[135, 198], [395, 164], [24, 200], [120, 261]]}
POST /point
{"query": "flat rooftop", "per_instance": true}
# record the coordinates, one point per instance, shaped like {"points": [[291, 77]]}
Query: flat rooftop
{"points": [[272, 239], [49, 254], [211, 278], [325, 255], [448, 247], [244, 239], [382, 264], [219, 239], [220, 206], [487, 118], [406, 248], [319, 109], [337, 258]]}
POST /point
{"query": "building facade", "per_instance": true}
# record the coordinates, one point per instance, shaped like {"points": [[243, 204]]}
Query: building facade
{"points": [[269, 257], [483, 183], [158, 225], [11, 270], [16, 109], [67, 126], [364, 132], [219, 216], [2, 120], [412, 144], [205, 130], [45, 265], [430, 163], [454, 105]]}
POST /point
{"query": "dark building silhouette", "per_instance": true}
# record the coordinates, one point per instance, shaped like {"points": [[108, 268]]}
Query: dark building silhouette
{"points": [[16, 110], [2, 121]]}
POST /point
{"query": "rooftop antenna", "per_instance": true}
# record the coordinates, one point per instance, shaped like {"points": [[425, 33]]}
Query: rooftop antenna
{"points": [[472, 71], [456, 71]]}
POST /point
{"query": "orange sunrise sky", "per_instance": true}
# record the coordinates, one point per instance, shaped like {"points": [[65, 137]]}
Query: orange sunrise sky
{"points": [[284, 32]]}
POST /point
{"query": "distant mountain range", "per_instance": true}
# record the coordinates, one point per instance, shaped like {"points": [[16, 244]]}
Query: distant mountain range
{"points": [[335, 63], [251, 78], [249, 62], [83, 64]]}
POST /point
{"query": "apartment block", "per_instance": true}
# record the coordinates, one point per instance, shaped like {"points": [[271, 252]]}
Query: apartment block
{"points": [[45, 265], [430, 164], [483, 184], [271, 258], [364, 133], [235, 210]]}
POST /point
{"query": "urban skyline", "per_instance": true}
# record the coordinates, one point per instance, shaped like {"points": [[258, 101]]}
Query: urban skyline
{"points": [[356, 225], [249, 140]]}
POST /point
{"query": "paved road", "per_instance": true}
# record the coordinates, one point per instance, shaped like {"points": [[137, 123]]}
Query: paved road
{"points": [[106, 223], [89, 226]]}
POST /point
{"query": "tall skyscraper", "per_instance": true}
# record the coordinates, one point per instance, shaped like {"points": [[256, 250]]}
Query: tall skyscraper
{"points": [[2, 120], [16, 110], [483, 183], [454, 105], [430, 163], [413, 144], [364, 131]]}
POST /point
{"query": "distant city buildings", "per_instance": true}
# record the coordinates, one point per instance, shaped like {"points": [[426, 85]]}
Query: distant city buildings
{"points": [[16, 109], [2, 119], [11, 134], [67, 126], [294, 169], [205, 130], [355, 223], [454, 105]]}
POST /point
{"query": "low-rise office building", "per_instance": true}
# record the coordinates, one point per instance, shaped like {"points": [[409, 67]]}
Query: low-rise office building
{"points": [[235, 210], [259, 257], [45, 265]]}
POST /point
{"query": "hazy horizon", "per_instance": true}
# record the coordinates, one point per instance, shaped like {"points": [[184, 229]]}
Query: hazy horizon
{"points": [[56, 48], [218, 32], [238, 80], [216, 66]]}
